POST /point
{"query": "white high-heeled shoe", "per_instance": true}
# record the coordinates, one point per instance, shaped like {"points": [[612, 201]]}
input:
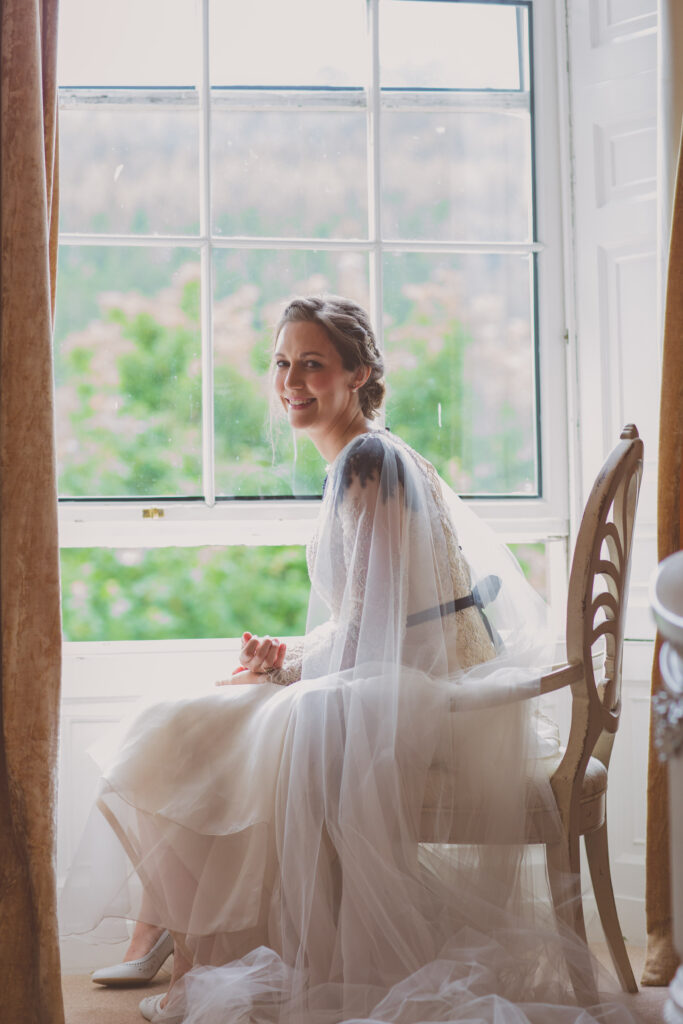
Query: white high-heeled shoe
{"points": [[150, 1010], [137, 972]]}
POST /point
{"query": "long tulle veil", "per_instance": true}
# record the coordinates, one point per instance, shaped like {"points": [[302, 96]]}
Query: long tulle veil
{"points": [[367, 921], [359, 839]]}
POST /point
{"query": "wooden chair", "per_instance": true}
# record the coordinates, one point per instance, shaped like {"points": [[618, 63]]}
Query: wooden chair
{"points": [[596, 607]]}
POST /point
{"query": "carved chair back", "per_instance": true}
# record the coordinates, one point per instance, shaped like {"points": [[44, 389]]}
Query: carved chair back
{"points": [[596, 609]]}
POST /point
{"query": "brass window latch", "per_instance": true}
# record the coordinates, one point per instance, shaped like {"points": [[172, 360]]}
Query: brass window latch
{"points": [[152, 513]]}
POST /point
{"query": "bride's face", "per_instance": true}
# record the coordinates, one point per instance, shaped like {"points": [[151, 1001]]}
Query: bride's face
{"points": [[316, 391]]}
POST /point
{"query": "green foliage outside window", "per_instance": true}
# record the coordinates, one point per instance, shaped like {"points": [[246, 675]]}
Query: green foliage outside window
{"points": [[180, 593]]}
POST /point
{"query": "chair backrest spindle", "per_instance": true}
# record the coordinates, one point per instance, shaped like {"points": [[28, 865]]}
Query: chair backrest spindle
{"points": [[598, 592]]}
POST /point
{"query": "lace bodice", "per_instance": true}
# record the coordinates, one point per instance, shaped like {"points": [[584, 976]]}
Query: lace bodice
{"points": [[356, 472]]}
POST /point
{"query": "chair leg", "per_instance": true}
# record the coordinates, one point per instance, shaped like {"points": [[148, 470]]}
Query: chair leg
{"points": [[563, 864], [598, 862]]}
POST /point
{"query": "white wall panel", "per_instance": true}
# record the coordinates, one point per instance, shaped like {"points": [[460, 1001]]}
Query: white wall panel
{"points": [[83, 723], [625, 159], [612, 47], [627, 291], [618, 19], [613, 88], [102, 685]]}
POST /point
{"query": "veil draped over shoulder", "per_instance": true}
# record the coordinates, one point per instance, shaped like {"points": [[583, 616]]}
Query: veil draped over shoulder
{"points": [[353, 847]]}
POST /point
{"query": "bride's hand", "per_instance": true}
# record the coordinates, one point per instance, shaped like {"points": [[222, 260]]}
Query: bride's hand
{"points": [[242, 676], [258, 656]]}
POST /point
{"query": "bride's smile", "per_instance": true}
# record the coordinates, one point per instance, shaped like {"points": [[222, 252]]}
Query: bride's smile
{"points": [[317, 392]]}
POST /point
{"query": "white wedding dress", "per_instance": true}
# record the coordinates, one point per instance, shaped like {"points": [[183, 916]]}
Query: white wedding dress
{"points": [[274, 828]]}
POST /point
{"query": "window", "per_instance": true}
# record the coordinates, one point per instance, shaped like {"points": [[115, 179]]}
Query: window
{"points": [[218, 157]]}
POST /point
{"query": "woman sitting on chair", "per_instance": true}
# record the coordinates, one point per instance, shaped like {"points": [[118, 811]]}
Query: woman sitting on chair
{"points": [[273, 825]]}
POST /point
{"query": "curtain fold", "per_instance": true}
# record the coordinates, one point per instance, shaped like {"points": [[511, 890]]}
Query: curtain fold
{"points": [[662, 960], [30, 641]]}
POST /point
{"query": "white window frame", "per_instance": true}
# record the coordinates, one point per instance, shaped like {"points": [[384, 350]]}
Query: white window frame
{"points": [[149, 523]]}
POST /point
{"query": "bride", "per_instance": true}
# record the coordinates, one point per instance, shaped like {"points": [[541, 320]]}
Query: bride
{"points": [[337, 832]]}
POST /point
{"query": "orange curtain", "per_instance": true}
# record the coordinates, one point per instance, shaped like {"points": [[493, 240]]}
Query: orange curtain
{"points": [[30, 642], [662, 960]]}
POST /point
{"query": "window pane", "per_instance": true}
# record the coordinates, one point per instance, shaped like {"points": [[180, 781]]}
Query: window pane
{"points": [[289, 173], [128, 372], [460, 359], [153, 42], [301, 42], [437, 45], [457, 175], [128, 171], [254, 452], [183, 593]]}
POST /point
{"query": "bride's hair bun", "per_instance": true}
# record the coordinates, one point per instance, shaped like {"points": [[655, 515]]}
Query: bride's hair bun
{"points": [[350, 331]]}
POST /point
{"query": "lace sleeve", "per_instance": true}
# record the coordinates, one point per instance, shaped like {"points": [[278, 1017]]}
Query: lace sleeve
{"points": [[291, 670], [318, 639]]}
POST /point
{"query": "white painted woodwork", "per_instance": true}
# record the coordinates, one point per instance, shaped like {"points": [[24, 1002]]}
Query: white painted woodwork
{"points": [[612, 52], [102, 684], [612, 49]]}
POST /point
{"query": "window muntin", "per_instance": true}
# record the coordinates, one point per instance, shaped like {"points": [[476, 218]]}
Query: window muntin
{"points": [[366, 250]]}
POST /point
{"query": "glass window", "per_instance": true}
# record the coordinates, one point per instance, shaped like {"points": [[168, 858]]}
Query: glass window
{"points": [[457, 175], [129, 43], [128, 169], [288, 172], [128, 372], [436, 45], [459, 342], [218, 157], [176, 593], [398, 133], [286, 43]]}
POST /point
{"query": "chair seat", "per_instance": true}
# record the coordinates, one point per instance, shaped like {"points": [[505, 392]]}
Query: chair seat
{"points": [[472, 824]]}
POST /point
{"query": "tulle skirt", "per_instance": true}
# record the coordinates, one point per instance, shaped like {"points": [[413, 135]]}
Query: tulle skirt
{"points": [[346, 848], [182, 834]]}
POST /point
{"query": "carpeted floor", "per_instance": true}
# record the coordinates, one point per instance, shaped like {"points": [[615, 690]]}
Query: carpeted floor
{"points": [[86, 1003]]}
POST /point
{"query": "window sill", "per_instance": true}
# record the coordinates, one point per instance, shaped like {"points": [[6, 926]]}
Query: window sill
{"points": [[192, 524]]}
